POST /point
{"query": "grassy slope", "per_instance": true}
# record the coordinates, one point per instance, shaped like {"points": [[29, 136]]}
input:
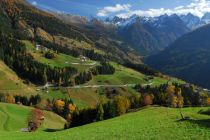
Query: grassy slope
{"points": [[89, 96], [125, 75], [149, 123], [61, 60], [82, 97], [14, 117], [11, 83], [122, 75]]}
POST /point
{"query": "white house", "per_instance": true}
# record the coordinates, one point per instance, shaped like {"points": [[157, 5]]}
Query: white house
{"points": [[83, 58], [38, 47]]}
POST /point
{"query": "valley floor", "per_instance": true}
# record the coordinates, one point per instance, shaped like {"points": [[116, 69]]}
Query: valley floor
{"points": [[148, 123]]}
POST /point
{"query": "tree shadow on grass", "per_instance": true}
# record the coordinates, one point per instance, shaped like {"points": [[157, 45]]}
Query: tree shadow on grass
{"points": [[202, 123], [52, 130]]}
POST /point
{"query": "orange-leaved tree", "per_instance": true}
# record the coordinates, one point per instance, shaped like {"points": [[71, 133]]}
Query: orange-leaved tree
{"points": [[147, 99], [59, 105], [35, 119]]}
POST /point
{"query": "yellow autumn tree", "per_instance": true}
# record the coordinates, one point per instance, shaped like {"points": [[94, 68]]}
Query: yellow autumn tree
{"points": [[123, 104], [180, 98], [71, 108], [174, 96], [172, 100], [170, 89], [59, 105], [10, 99], [208, 101]]}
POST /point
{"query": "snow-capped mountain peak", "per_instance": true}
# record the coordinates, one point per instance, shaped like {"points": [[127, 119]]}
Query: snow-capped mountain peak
{"points": [[190, 20]]}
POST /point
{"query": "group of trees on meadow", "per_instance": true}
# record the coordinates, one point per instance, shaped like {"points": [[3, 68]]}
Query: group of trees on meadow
{"points": [[62, 107], [114, 107], [171, 95]]}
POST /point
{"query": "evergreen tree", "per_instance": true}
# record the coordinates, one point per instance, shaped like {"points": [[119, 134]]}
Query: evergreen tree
{"points": [[100, 113]]}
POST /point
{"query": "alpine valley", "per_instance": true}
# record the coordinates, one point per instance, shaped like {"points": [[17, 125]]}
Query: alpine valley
{"points": [[66, 76]]}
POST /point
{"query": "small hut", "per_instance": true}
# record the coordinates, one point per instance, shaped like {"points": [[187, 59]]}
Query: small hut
{"points": [[32, 126]]}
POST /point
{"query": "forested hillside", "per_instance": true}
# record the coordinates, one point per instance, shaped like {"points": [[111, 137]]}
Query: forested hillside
{"points": [[187, 58], [27, 22]]}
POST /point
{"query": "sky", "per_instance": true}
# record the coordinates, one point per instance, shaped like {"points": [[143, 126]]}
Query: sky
{"points": [[124, 8]]}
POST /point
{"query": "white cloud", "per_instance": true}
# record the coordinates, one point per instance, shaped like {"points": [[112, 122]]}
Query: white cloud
{"points": [[197, 7], [113, 9], [34, 3]]}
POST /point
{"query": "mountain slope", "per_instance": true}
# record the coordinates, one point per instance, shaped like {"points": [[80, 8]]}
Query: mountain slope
{"points": [[29, 23], [104, 35], [187, 58], [149, 35]]}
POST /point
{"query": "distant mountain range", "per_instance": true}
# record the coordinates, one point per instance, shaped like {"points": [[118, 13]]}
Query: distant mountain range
{"points": [[190, 20], [149, 35]]}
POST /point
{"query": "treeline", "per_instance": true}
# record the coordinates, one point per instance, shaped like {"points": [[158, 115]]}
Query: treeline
{"points": [[103, 69], [176, 95], [18, 99], [117, 106], [13, 53], [172, 95], [142, 68], [63, 107]]}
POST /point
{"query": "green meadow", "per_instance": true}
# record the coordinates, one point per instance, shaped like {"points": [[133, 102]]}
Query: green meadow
{"points": [[159, 123]]}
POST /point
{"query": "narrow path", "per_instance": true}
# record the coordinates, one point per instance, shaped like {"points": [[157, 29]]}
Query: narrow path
{"points": [[92, 64], [97, 86]]}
